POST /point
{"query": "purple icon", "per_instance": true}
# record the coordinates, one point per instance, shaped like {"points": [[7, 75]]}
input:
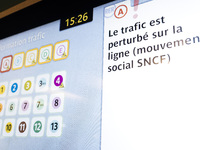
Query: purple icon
{"points": [[58, 80], [60, 50], [25, 105], [56, 102]]}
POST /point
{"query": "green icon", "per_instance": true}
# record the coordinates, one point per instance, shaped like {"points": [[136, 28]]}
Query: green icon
{"points": [[11, 107], [37, 127], [45, 54], [40, 104]]}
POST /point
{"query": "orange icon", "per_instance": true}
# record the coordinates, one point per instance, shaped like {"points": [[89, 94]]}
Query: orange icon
{"points": [[121, 11]]}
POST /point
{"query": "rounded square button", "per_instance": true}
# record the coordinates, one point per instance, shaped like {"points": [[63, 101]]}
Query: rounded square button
{"points": [[58, 80], [37, 126], [6, 63], [27, 85], [11, 107], [54, 126], [18, 61], [42, 83], [45, 54], [56, 103], [25, 105], [14, 87], [61, 50], [22, 127], [31, 57], [8, 127], [40, 104]]}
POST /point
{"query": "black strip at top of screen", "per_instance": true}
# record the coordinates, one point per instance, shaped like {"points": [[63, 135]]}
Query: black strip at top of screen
{"points": [[42, 13]]}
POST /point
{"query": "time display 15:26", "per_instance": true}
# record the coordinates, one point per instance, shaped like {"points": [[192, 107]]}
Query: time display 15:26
{"points": [[76, 19]]}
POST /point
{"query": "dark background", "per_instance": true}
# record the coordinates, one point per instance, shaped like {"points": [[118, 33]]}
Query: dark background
{"points": [[5, 4], [41, 13]]}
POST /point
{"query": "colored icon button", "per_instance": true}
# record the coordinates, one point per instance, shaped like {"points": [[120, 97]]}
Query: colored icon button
{"points": [[27, 85], [2, 89], [11, 107], [40, 104], [56, 102], [6, 63], [37, 127], [22, 127], [18, 61], [61, 50], [14, 87], [45, 54], [8, 127], [54, 126], [25, 105], [58, 80], [42, 83], [31, 58]]}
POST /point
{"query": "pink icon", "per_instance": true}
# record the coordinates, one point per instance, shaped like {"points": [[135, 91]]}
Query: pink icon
{"points": [[25, 105], [60, 50], [56, 102], [136, 3]]}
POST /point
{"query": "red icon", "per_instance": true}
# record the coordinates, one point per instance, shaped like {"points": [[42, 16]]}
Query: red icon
{"points": [[121, 11], [6, 63]]}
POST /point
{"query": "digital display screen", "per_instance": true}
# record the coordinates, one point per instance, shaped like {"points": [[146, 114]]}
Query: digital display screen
{"points": [[120, 76], [51, 85]]}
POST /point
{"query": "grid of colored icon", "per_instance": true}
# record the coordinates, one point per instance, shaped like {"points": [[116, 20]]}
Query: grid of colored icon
{"points": [[24, 105], [43, 55]]}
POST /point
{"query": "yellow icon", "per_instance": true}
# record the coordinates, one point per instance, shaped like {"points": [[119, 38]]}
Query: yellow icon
{"points": [[61, 85], [2, 89], [48, 58], [1, 107], [8, 127], [31, 58], [33, 62], [64, 55], [27, 85]]}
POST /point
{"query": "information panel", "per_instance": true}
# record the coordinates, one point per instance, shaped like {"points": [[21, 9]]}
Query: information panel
{"points": [[151, 75], [121, 76]]}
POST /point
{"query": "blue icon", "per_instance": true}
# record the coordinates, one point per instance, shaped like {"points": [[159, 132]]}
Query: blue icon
{"points": [[18, 61], [14, 87], [42, 83], [54, 126]]}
